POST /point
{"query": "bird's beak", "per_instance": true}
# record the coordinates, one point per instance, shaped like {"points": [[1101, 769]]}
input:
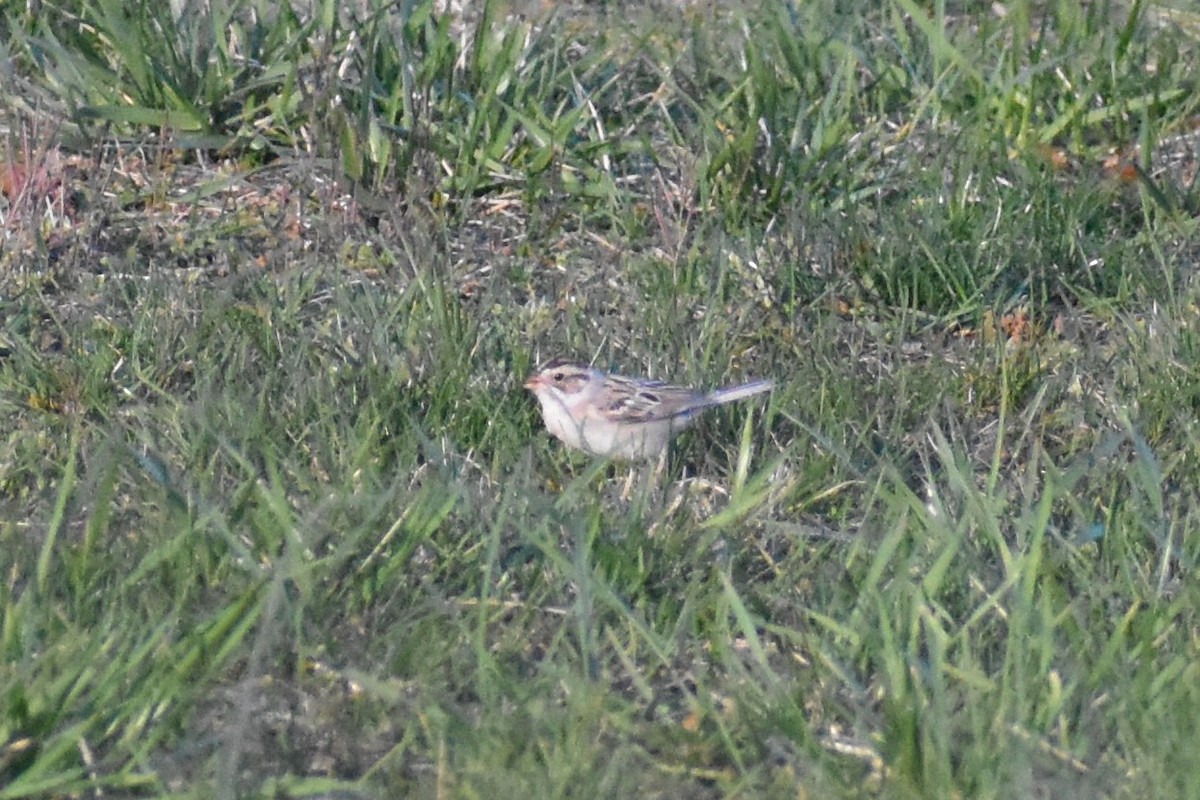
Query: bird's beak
{"points": [[534, 383]]}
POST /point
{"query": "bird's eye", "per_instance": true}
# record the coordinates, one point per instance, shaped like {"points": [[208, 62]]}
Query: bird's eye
{"points": [[558, 377]]}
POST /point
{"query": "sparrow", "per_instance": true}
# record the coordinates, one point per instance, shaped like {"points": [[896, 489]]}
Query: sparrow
{"points": [[617, 417]]}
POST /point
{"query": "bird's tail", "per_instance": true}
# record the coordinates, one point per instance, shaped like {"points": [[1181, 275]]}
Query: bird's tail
{"points": [[732, 393]]}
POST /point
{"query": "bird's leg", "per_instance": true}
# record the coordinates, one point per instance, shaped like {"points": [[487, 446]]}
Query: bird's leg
{"points": [[647, 475], [628, 487], [661, 469]]}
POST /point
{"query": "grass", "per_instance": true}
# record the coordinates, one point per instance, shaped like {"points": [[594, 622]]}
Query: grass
{"points": [[278, 520]]}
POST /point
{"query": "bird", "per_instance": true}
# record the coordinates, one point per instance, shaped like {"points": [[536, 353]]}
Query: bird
{"points": [[617, 417]]}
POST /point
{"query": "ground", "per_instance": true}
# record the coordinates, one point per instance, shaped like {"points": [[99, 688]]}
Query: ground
{"points": [[277, 518]]}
